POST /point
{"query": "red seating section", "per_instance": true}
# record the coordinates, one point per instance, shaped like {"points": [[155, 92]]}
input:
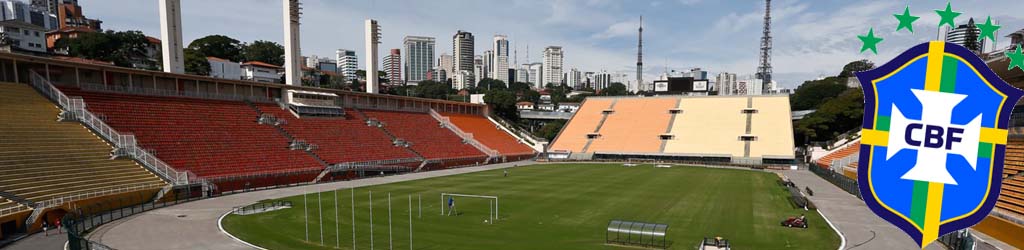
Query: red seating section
{"points": [[340, 139], [208, 137], [847, 150], [489, 134], [426, 135]]}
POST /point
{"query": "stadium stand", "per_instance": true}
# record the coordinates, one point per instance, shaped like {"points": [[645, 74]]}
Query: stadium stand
{"points": [[489, 134], [747, 130], [1012, 196], [573, 136], [426, 135], [634, 125], [709, 126], [211, 138], [840, 153], [1014, 163], [339, 139], [43, 159]]}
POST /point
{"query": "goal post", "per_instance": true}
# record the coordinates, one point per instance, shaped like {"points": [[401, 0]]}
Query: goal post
{"points": [[494, 206]]}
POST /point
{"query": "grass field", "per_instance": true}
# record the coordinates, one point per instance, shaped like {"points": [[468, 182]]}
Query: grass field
{"points": [[551, 207]]}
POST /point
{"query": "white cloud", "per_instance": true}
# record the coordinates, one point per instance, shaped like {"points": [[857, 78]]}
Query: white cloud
{"points": [[624, 28]]}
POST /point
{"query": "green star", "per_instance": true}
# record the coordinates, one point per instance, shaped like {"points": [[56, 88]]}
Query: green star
{"points": [[906, 20], [947, 16], [1016, 59], [870, 41], [987, 30]]}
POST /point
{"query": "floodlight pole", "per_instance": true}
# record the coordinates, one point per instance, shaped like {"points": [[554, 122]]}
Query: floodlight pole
{"points": [[352, 196], [337, 230], [410, 222], [305, 214], [320, 212], [390, 243], [371, 219]]}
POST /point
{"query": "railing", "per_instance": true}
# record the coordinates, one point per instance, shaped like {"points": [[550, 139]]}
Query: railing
{"points": [[837, 165], [124, 142], [958, 240], [353, 165], [13, 210], [525, 135], [468, 137], [261, 207], [841, 181], [389, 108], [171, 93], [55, 202]]}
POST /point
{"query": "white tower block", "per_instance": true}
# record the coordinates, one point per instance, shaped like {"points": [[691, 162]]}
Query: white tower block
{"points": [[170, 32], [292, 54], [372, 39]]}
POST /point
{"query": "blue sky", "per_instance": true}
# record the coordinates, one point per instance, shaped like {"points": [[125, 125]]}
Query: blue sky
{"points": [[811, 38]]}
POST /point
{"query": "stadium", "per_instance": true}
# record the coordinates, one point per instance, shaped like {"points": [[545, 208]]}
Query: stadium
{"points": [[131, 159], [96, 156]]}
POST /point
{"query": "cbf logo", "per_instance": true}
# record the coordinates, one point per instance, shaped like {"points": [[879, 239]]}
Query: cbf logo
{"points": [[934, 139]]}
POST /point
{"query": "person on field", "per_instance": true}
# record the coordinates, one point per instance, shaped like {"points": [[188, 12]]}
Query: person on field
{"points": [[46, 227], [451, 206]]}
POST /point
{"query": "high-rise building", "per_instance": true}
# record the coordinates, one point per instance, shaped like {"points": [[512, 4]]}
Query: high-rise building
{"points": [[574, 78], [523, 73], [966, 35], [462, 79], [69, 14], [348, 63], [445, 62], [419, 58], [18, 10], [393, 67], [463, 51], [478, 69], [552, 72], [488, 60], [725, 83], [500, 69], [536, 71], [602, 80]]}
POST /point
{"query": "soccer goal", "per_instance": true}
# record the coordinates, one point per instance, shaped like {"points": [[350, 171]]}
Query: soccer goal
{"points": [[447, 200]]}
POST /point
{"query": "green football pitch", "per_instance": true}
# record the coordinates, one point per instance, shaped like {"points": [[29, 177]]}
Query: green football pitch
{"points": [[559, 206]]}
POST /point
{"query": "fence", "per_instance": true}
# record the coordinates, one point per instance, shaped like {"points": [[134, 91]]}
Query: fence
{"points": [[840, 180], [261, 207], [55, 202], [84, 219], [958, 240], [125, 143]]}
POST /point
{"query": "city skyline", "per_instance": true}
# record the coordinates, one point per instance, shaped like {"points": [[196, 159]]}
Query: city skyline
{"points": [[597, 34]]}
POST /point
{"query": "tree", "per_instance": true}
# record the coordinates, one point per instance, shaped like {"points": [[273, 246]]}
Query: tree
{"points": [[196, 63], [219, 46], [615, 89], [264, 51], [519, 87], [490, 84], [813, 93], [550, 130], [503, 103], [835, 116], [355, 85], [433, 90], [856, 66], [123, 48]]}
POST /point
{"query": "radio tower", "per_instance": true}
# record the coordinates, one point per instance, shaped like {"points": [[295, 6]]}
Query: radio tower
{"points": [[640, 56], [764, 69]]}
